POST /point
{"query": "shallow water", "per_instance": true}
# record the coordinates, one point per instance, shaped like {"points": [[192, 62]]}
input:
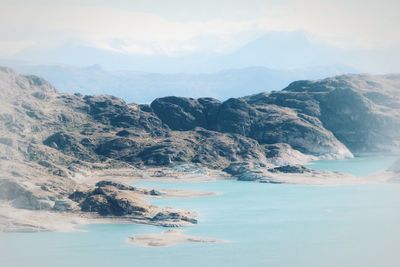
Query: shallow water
{"points": [[266, 225], [360, 166]]}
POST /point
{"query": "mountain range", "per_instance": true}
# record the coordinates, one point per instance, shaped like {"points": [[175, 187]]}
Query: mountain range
{"points": [[64, 152], [143, 87]]}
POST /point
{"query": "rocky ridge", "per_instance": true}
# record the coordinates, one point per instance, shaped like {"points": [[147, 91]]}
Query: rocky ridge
{"points": [[49, 141]]}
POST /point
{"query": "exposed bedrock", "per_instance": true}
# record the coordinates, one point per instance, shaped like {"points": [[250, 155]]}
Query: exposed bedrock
{"points": [[114, 199], [46, 136], [183, 114], [52, 143], [200, 146], [360, 112], [268, 124]]}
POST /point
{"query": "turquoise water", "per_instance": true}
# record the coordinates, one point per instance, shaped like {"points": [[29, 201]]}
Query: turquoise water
{"points": [[360, 166], [266, 225]]}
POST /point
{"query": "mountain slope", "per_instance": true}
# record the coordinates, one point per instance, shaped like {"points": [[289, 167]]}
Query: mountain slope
{"points": [[362, 111], [56, 147]]}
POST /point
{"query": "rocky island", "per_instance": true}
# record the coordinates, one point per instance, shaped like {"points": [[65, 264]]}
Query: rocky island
{"points": [[74, 157]]}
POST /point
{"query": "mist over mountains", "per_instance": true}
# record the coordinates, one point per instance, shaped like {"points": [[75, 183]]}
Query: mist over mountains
{"points": [[275, 50], [269, 62], [143, 87], [278, 50]]}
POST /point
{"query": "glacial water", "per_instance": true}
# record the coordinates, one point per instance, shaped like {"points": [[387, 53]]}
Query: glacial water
{"points": [[361, 166], [266, 225]]}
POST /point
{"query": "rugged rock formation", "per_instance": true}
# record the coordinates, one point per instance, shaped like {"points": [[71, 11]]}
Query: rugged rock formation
{"points": [[290, 169], [115, 112], [200, 146], [115, 199], [184, 114], [246, 171], [315, 117], [281, 154], [268, 124], [362, 111], [47, 138]]}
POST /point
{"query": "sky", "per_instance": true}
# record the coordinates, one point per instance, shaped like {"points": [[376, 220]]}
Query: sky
{"points": [[178, 27]]}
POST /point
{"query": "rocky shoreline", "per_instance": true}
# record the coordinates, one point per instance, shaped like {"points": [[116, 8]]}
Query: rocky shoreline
{"points": [[74, 156]]}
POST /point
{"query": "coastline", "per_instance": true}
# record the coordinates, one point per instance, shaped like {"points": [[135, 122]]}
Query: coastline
{"points": [[20, 220]]}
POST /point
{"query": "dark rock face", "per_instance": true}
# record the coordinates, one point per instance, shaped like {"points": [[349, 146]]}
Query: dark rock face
{"points": [[204, 147], [109, 205], [110, 202], [274, 124], [99, 204], [315, 117], [61, 141], [173, 217], [290, 169], [184, 114], [116, 147], [113, 111], [362, 111], [114, 199], [107, 199], [235, 116], [164, 154], [209, 148], [78, 196], [246, 171], [64, 205], [280, 154], [69, 145], [266, 123], [116, 185]]}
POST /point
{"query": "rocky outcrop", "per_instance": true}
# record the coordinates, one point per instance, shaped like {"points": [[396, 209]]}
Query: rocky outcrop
{"points": [[71, 145], [115, 112], [321, 118], [290, 169], [361, 124], [204, 147], [114, 199], [246, 171], [108, 203], [270, 124], [266, 123], [281, 154], [50, 140], [362, 111], [169, 216], [65, 205], [184, 114]]}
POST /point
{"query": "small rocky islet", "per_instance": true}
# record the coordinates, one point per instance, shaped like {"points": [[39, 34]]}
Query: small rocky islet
{"points": [[56, 148]]}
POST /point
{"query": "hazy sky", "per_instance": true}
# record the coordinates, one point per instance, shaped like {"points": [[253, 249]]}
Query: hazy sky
{"points": [[177, 27]]}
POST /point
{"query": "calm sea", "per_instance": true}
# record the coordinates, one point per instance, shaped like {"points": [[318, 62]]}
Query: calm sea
{"points": [[266, 225]]}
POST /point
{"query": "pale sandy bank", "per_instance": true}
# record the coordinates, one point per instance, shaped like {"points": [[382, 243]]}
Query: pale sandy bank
{"points": [[169, 238]]}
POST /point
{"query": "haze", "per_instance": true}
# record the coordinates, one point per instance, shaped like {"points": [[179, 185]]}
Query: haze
{"points": [[188, 36]]}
